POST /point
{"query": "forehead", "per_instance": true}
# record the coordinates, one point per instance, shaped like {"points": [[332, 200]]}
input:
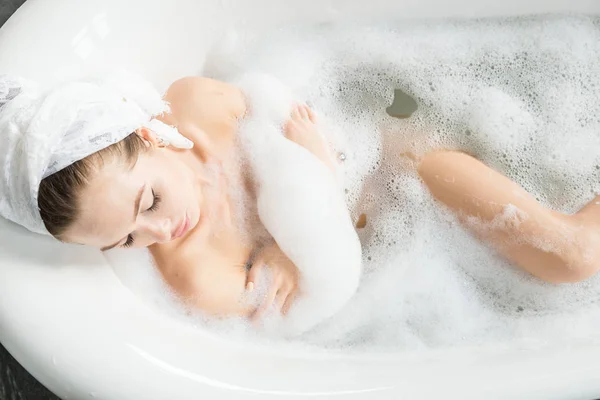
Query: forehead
{"points": [[106, 203]]}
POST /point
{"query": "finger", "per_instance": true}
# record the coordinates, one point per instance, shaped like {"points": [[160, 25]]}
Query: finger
{"points": [[290, 132], [311, 114], [266, 304], [254, 274], [303, 112], [295, 111], [282, 295], [289, 301]]}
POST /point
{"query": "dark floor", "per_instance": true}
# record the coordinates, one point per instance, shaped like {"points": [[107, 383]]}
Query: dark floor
{"points": [[15, 382]]}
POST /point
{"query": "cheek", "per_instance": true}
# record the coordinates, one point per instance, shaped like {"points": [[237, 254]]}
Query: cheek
{"points": [[178, 187]]}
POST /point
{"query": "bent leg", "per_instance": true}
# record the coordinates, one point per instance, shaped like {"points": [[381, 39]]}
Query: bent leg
{"points": [[552, 246]]}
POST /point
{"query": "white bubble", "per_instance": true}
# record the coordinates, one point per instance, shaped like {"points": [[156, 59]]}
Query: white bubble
{"points": [[520, 94]]}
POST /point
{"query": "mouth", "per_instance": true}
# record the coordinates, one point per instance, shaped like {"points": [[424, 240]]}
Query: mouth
{"points": [[182, 229]]}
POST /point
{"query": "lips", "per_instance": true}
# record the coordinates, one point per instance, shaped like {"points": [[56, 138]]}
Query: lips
{"points": [[181, 230]]}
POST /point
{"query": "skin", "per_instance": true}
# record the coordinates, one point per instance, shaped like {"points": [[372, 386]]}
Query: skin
{"points": [[555, 247], [208, 265]]}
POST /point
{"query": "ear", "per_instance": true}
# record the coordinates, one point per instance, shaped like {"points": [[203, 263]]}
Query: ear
{"points": [[149, 137]]}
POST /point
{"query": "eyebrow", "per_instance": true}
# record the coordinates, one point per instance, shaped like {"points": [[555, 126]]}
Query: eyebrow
{"points": [[136, 211]]}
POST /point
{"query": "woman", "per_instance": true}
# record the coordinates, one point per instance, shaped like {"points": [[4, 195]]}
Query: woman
{"points": [[141, 192]]}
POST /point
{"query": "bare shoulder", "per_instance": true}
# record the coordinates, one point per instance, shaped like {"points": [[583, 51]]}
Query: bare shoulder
{"points": [[205, 94]]}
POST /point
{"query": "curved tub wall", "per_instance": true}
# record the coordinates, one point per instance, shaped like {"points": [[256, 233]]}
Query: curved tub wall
{"points": [[67, 318]]}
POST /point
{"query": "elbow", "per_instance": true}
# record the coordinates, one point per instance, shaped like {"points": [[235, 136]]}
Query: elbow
{"points": [[355, 266], [338, 276], [350, 274], [346, 286], [326, 293]]}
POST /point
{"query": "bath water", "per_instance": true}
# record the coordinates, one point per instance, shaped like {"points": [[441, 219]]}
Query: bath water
{"points": [[521, 94]]}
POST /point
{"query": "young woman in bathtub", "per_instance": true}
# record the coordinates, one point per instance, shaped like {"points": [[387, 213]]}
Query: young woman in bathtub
{"points": [[140, 193]]}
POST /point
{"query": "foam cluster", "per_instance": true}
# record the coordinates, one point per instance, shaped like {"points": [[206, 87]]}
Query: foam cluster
{"points": [[521, 94]]}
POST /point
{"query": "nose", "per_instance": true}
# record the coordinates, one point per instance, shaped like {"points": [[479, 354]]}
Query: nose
{"points": [[158, 230]]}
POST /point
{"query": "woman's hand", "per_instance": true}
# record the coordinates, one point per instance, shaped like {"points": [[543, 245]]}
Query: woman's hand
{"points": [[301, 129], [283, 280]]}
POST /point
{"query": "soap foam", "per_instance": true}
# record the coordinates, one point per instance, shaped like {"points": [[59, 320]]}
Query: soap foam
{"points": [[521, 94]]}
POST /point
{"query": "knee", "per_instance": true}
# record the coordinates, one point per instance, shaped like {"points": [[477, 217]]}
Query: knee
{"points": [[579, 266], [584, 261], [578, 271]]}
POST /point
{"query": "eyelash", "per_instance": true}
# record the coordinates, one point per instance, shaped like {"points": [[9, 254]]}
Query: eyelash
{"points": [[129, 241], [155, 201], [155, 204]]}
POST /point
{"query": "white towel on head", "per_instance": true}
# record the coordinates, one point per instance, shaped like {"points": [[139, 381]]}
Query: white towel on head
{"points": [[43, 133]]}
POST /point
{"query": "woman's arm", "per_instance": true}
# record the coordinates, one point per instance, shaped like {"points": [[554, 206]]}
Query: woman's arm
{"points": [[552, 246], [302, 207]]}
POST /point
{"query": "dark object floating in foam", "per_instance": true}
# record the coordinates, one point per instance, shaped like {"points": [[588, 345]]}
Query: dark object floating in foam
{"points": [[403, 105], [362, 221]]}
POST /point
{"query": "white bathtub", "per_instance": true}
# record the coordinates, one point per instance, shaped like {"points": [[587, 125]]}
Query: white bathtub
{"points": [[68, 319]]}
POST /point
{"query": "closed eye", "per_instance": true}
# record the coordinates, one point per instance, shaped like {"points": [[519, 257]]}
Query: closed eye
{"points": [[155, 204], [129, 241], [155, 201]]}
